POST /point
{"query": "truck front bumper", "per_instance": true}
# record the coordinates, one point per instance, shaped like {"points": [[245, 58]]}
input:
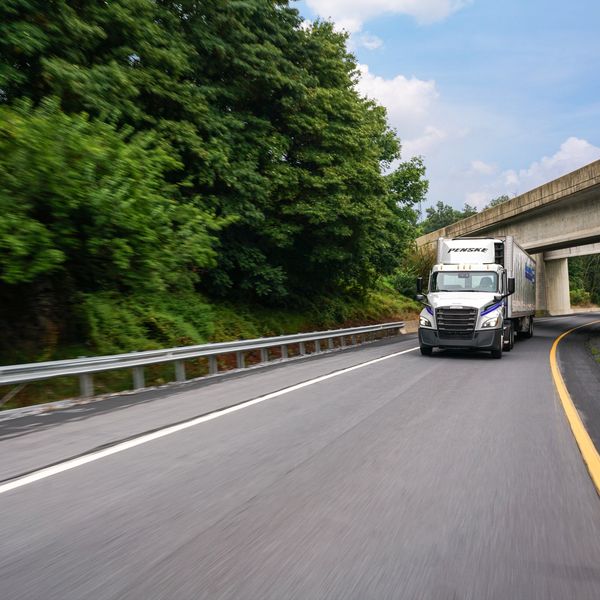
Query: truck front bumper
{"points": [[481, 340]]}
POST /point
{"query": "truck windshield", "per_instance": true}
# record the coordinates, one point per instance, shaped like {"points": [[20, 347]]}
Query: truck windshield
{"points": [[464, 281]]}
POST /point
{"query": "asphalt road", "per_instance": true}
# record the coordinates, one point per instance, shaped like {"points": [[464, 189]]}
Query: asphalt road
{"points": [[454, 476]]}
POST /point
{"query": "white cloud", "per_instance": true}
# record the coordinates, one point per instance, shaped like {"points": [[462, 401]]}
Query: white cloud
{"points": [[410, 103], [483, 168], [436, 130], [405, 99], [368, 41], [425, 143], [448, 136], [477, 199], [351, 14], [573, 154]]}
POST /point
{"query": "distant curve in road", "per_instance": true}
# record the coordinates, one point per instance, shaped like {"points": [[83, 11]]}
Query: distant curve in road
{"points": [[452, 476]]}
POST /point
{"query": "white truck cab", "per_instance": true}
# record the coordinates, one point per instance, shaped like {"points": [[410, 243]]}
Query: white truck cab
{"points": [[481, 292]]}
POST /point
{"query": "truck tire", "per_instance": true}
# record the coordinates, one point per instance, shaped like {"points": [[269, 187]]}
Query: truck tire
{"points": [[497, 351], [426, 350], [527, 333], [510, 343]]}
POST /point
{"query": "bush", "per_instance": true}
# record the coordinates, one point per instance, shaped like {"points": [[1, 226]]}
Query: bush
{"points": [[112, 324], [417, 262], [580, 297], [405, 282]]}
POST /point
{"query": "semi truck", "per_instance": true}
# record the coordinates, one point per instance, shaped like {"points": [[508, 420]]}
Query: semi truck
{"points": [[481, 295]]}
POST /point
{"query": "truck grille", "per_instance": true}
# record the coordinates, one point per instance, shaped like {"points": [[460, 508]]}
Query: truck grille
{"points": [[456, 323]]}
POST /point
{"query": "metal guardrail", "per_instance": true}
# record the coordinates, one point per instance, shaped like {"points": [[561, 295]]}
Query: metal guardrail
{"points": [[84, 368]]}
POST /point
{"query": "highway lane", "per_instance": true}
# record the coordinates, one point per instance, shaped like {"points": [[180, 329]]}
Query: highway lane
{"points": [[66, 433], [452, 476]]}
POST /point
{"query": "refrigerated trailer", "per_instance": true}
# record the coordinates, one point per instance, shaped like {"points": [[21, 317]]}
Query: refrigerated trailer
{"points": [[481, 294]]}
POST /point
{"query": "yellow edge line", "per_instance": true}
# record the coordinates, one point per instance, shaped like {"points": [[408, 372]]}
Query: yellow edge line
{"points": [[582, 437]]}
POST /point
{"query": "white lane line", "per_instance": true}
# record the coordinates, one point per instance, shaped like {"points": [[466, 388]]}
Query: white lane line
{"points": [[144, 439]]}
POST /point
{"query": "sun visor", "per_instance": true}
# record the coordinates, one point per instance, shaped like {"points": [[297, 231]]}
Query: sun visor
{"points": [[474, 251]]}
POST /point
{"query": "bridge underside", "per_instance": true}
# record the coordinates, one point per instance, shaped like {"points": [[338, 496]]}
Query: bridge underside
{"points": [[554, 222]]}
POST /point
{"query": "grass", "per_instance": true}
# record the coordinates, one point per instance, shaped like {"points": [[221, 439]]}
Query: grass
{"points": [[594, 348]]}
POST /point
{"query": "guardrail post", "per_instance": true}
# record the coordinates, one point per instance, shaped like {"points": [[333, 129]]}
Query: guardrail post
{"points": [[264, 355], [302, 348], [213, 365], [284, 351], [353, 339], [86, 385], [138, 378], [330, 343], [240, 359], [179, 370], [317, 346], [342, 341]]}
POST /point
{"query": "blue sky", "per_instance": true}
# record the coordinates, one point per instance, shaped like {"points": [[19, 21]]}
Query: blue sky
{"points": [[497, 96]]}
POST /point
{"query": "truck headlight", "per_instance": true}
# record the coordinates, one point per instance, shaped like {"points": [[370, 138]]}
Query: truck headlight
{"points": [[424, 322], [491, 322]]}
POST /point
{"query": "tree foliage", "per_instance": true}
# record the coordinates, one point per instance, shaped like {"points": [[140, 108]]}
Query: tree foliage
{"points": [[498, 200], [584, 279], [85, 200], [442, 215], [222, 144]]}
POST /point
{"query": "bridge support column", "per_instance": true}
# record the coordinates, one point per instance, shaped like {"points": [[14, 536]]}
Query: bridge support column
{"points": [[541, 304], [556, 278]]}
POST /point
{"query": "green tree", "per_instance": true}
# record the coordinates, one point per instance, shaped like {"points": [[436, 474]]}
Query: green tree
{"points": [[408, 188], [156, 144], [468, 211], [498, 200], [263, 119], [81, 200], [259, 45], [442, 215], [344, 212], [584, 277]]}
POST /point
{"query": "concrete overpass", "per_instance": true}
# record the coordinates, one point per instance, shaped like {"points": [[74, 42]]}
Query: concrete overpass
{"points": [[555, 221]]}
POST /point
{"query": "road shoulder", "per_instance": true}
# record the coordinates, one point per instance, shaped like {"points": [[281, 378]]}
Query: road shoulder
{"points": [[577, 378]]}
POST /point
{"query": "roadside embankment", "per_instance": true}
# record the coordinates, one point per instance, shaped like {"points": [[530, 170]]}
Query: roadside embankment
{"points": [[114, 325]]}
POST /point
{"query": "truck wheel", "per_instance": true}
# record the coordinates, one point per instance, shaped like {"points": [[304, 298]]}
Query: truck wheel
{"points": [[529, 331], [510, 343], [497, 351], [426, 350]]}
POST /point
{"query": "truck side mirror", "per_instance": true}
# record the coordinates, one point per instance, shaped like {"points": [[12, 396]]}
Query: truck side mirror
{"points": [[511, 285], [420, 298], [419, 285]]}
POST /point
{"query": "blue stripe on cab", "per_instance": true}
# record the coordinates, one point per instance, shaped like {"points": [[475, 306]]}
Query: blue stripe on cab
{"points": [[491, 308]]}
